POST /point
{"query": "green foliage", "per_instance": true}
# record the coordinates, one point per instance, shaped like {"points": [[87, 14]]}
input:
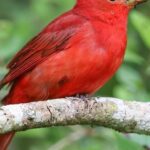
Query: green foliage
{"points": [[125, 143], [22, 19]]}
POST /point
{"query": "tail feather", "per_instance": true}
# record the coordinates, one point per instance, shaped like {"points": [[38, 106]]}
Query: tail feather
{"points": [[9, 99], [1, 84], [5, 140], [6, 100]]}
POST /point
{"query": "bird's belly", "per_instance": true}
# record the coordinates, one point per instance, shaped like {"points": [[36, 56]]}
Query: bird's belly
{"points": [[68, 73]]}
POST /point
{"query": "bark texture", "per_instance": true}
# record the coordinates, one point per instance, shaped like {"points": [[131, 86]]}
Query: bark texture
{"points": [[124, 116]]}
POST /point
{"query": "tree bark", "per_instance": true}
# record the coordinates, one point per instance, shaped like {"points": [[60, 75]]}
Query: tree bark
{"points": [[124, 116]]}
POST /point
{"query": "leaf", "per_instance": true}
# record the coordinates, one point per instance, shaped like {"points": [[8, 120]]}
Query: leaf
{"points": [[142, 25], [124, 143], [143, 140]]}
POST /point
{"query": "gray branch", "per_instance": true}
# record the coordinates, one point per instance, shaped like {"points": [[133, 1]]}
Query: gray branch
{"points": [[124, 116]]}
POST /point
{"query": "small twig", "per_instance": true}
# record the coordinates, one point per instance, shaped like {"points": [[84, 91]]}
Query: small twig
{"points": [[68, 140]]}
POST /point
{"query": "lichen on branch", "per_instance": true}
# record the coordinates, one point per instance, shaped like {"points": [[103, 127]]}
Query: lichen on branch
{"points": [[124, 116]]}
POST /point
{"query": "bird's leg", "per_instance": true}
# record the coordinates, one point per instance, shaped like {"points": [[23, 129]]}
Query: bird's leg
{"points": [[83, 96]]}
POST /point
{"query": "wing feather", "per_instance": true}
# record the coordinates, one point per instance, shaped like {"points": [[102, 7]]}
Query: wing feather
{"points": [[46, 43]]}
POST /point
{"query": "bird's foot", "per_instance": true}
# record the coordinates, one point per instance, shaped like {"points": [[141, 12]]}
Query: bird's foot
{"points": [[83, 96]]}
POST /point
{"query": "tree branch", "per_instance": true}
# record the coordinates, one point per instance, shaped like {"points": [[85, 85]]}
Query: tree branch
{"points": [[124, 116]]}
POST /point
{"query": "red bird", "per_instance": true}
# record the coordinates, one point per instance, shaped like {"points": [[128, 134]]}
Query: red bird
{"points": [[77, 53]]}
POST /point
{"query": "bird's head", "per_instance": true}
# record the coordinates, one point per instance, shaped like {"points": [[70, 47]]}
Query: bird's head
{"points": [[110, 4], [127, 3], [111, 11]]}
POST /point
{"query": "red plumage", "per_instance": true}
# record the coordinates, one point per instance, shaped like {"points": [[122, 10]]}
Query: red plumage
{"points": [[5, 140], [75, 54]]}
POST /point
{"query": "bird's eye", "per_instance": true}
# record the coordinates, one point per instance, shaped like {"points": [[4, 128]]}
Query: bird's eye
{"points": [[112, 0]]}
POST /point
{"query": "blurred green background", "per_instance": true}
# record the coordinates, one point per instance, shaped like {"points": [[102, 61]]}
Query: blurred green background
{"points": [[22, 19]]}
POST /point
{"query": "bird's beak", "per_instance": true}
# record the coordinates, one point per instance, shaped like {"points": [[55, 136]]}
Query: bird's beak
{"points": [[133, 3], [139, 1]]}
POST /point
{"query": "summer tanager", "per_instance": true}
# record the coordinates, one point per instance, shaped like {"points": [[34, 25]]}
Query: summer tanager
{"points": [[77, 53]]}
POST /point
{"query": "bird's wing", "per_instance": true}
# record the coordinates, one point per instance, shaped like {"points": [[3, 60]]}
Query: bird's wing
{"points": [[53, 39]]}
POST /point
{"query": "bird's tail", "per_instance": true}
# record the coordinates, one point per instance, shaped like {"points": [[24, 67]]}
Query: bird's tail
{"points": [[7, 100], [5, 140]]}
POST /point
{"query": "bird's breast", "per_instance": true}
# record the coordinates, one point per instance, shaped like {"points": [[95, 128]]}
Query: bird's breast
{"points": [[88, 63]]}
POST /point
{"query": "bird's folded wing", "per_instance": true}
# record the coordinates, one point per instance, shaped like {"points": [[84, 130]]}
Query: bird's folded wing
{"points": [[53, 39]]}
